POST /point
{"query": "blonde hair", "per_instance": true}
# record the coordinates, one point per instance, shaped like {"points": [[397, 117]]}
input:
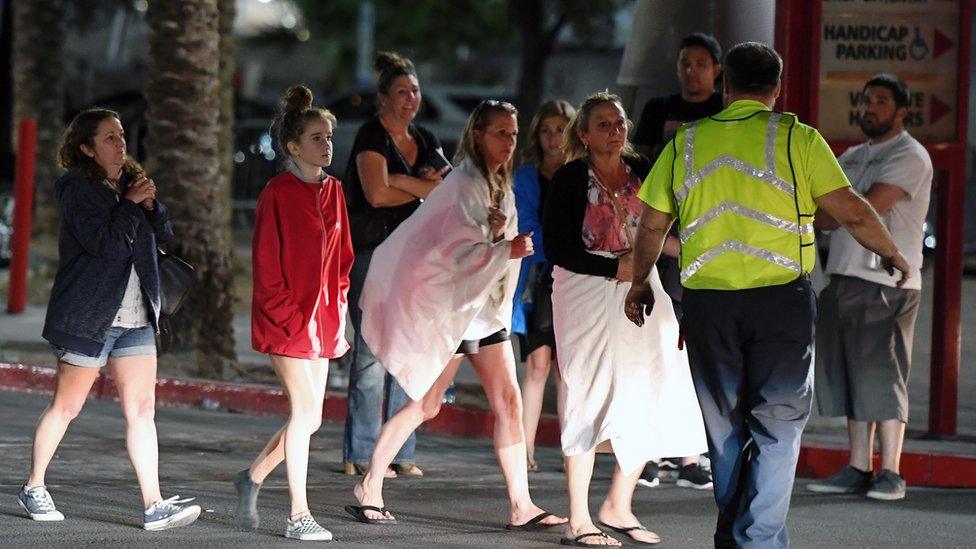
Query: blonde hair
{"points": [[573, 146], [500, 182], [533, 148]]}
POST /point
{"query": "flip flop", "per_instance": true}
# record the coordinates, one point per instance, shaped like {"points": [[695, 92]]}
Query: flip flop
{"points": [[578, 540], [359, 511], [626, 531], [533, 523]]}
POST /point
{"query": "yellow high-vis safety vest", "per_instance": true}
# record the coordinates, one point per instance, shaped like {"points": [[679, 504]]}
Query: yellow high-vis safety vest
{"points": [[742, 223]]}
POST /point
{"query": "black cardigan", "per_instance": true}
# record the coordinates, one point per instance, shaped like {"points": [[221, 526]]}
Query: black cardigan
{"points": [[562, 223]]}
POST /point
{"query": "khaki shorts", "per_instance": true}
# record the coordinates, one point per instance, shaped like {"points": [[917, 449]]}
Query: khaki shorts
{"points": [[864, 349]]}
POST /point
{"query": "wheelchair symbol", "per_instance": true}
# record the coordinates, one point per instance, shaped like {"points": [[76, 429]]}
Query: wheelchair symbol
{"points": [[919, 49]]}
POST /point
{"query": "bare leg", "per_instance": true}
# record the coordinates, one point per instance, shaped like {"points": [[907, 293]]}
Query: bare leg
{"points": [[495, 366], [274, 452], [71, 389], [892, 435], [533, 390], [135, 379], [861, 437], [395, 432], [616, 509], [301, 380], [579, 471]]}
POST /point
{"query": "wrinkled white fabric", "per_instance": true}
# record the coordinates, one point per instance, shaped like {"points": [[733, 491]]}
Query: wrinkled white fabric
{"points": [[438, 279], [623, 384]]}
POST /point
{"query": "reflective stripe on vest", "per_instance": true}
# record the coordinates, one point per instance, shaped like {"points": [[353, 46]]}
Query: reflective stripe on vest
{"points": [[766, 175]]}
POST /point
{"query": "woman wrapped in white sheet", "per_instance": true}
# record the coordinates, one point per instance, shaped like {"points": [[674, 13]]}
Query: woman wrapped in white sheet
{"points": [[625, 389], [439, 289]]}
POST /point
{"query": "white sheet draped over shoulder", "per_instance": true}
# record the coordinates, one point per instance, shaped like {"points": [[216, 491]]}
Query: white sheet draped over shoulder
{"points": [[433, 276], [623, 384]]}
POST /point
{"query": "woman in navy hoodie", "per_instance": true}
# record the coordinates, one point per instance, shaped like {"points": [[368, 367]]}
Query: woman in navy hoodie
{"points": [[104, 307]]}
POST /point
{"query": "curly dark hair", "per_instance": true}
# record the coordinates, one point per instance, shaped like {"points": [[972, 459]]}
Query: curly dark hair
{"points": [[82, 131]]}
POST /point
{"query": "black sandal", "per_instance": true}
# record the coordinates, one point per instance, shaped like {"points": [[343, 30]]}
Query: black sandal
{"points": [[627, 530], [359, 511], [578, 540], [533, 523]]}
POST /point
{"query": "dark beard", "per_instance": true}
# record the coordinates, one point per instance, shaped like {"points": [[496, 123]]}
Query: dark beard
{"points": [[877, 129]]}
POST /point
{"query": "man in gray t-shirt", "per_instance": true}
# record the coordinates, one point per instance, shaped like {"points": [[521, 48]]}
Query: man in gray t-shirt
{"points": [[866, 321]]}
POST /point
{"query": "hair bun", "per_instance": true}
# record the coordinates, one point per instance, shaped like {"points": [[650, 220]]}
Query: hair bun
{"points": [[297, 98], [390, 60]]}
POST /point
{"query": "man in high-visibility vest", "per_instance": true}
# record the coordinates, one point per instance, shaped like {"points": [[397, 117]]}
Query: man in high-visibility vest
{"points": [[744, 185]]}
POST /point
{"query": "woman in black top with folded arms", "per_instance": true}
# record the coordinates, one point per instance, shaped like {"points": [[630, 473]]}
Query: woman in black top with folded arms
{"points": [[393, 165]]}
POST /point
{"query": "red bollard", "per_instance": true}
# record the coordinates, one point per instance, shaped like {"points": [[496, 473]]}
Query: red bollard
{"points": [[23, 205]]}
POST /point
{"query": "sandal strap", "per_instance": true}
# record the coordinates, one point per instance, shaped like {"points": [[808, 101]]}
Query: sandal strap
{"points": [[537, 519], [380, 510]]}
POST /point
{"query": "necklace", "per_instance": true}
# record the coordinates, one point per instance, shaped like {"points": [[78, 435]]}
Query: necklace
{"points": [[611, 183]]}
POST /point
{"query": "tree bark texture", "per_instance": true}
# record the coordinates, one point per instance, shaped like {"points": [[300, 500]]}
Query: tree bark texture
{"points": [[183, 98], [38, 82]]}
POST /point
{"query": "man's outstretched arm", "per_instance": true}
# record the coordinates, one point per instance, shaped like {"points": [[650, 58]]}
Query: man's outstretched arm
{"points": [[653, 230]]}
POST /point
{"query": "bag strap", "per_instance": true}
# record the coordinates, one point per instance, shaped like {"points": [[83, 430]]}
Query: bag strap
{"points": [[617, 208]]}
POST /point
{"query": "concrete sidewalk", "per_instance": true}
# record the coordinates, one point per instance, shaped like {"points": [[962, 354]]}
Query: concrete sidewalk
{"points": [[460, 503]]}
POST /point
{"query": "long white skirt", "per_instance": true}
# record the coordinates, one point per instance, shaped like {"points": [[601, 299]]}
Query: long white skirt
{"points": [[622, 384]]}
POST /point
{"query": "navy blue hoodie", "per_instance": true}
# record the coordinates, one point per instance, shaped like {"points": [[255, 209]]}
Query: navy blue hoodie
{"points": [[102, 237]]}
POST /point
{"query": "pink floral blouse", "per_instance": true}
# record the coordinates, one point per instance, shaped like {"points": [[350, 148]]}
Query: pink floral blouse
{"points": [[602, 229]]}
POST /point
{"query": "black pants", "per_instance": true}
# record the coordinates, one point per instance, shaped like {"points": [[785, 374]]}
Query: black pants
{"points": [[751, 354]]}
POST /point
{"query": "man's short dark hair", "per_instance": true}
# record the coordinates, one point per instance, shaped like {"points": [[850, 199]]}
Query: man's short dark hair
{"points": [[706, 41], [899, 90], [754, 68]]}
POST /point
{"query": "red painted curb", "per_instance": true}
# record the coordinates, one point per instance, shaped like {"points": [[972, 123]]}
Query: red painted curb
{"points": [[816, 461]]}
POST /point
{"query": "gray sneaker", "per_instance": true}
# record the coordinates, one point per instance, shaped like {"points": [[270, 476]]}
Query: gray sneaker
{"points": [[888, 486], [168, 513], [247, 500], [848, 480], [38, 504], [306, 529]]}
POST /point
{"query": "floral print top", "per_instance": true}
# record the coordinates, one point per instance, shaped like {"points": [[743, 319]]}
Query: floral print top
{"points": [[602, 229]]}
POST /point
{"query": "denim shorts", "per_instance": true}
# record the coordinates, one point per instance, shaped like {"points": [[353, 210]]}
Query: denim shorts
{"points": [[120, 342]]}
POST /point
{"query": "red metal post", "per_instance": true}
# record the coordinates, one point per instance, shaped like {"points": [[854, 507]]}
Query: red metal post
{"points": [[950, 192], [947, 299], [23, 205]]}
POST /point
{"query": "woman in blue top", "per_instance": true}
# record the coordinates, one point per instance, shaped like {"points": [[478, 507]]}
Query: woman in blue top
{"points": [[530, 320]]}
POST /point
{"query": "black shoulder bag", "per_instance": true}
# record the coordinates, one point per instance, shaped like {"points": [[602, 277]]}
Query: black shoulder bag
{"points": [[176, 278]]}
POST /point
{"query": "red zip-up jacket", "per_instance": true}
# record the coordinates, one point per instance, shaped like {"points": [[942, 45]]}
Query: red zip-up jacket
{"points": [[302, 255]]}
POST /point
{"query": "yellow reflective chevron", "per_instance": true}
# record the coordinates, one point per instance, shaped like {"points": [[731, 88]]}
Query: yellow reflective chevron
{"points": [[741, 222]]}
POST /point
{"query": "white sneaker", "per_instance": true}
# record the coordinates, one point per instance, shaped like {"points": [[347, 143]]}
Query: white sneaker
{"points": [[167, 513], [306, 529]]}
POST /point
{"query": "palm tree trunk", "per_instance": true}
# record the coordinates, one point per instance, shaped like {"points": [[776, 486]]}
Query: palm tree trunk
{"points": [[38, 82], [183, 101]]}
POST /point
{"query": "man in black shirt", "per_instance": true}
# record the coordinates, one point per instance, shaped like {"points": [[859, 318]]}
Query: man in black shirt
{"points": [[699, 66]]}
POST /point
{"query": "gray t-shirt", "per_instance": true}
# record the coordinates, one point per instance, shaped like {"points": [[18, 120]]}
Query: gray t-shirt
{"points": [[901, 161]]}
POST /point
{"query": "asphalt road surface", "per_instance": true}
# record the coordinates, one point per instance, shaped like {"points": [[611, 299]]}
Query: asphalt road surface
{"points": [[460, 503]]}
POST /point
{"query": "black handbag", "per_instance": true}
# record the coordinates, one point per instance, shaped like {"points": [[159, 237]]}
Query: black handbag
{"points": [[176, 278]]}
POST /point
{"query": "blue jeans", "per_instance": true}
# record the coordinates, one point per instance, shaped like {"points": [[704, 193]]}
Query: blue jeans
{"points": [[374, 395]]}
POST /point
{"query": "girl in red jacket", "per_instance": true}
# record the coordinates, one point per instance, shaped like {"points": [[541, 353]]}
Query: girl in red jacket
{"points": [[302, 255]]}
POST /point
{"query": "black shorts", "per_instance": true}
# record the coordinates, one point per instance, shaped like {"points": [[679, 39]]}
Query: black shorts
{"points": [[470, 346], [534, 340]]}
